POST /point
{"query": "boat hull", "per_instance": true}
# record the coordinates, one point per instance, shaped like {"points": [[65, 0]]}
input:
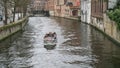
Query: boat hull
{"points": [[49, 46]]}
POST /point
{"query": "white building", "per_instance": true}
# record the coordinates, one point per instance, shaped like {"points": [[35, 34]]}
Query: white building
{"points": [[112, 4], [86, 11]]}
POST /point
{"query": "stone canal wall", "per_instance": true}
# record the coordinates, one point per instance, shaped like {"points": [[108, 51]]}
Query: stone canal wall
{"points": [[108, 27], [12, 28], [111, 29]]}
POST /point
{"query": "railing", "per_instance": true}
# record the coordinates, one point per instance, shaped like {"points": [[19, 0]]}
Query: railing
{"points": [[10, 29]]}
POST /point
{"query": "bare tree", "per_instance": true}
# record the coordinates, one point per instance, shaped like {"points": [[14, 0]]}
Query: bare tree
{"points": [[14, 4], [5, 5], [20, 5], [17, 4], [24, 6]]}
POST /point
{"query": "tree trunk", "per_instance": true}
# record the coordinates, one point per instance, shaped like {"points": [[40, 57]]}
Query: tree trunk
{"points": [[21, 12], [6, 16], [18, 14], [14, 13], [24, 11]]}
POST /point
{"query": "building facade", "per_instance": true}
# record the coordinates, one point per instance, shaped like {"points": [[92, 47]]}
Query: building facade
{"points": [[74, 7], [99, 8], [64, 8], [37, 5], [50, 6], [59, 8], [86, 11]]}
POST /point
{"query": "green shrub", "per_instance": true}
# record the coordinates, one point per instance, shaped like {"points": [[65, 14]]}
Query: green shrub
{"points": [[115, 16]]}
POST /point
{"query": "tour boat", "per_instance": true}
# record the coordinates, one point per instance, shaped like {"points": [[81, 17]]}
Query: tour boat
{"points": [[50, 42]]}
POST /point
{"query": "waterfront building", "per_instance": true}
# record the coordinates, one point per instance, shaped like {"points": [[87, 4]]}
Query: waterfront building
{"points": [[86, 11]]}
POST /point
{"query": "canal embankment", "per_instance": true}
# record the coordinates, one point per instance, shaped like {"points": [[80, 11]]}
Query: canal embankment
{"points": [[12, 28], [108, 28], [73, 18], [69, 17]]}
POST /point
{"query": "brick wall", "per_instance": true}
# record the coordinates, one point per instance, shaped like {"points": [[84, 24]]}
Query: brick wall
{"points": [[98, 7]]}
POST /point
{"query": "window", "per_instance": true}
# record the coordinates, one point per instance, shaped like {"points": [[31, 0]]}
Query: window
{"points": [[95, 6], [57, 2], [65, 1], [102, 6]]}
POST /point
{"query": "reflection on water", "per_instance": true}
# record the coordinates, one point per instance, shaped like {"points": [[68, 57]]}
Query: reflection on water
{"points": [[79, 46]]}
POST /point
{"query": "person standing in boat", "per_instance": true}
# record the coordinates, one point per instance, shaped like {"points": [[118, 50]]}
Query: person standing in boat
{"points": [[55, 36]]}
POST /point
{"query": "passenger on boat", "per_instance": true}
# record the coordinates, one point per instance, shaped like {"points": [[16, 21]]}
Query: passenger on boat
{"points": [[54, 35], [46, 37], [50, 36]]}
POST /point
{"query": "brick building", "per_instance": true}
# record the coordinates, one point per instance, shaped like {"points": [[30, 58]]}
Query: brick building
{"points": [[50, 6], [59, 8], [98, 8], [63, 8], [75, 7], [37, 5]]}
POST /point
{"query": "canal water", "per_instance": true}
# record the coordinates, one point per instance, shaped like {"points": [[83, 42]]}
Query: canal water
{"points": [[78, 46]]}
